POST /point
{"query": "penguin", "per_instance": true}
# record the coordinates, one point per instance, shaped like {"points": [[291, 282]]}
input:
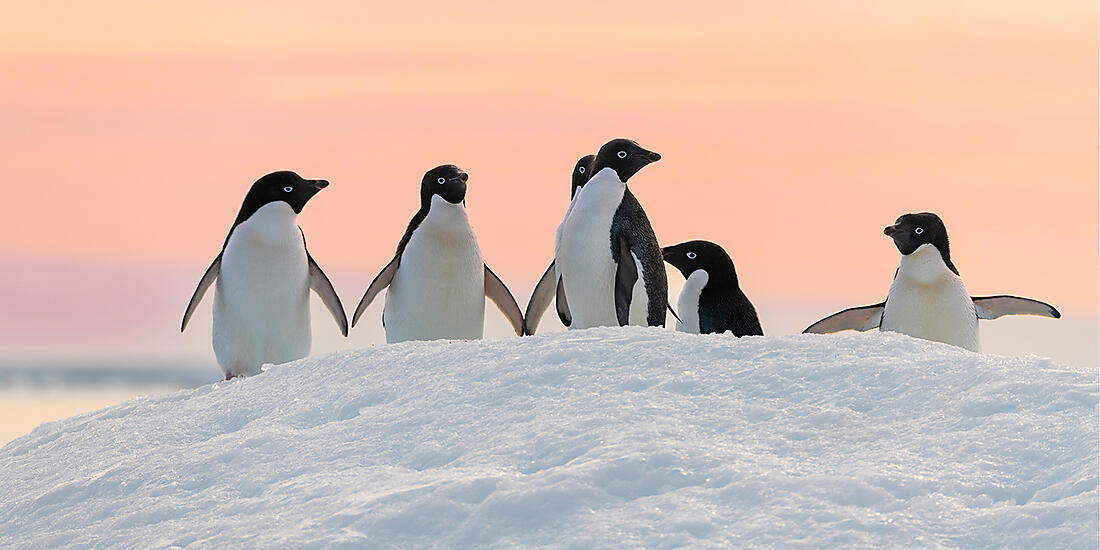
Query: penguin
{"points": [[711, 300], [606, 244], [927, 298], [263, 276], [437, 279], [546, 288]]}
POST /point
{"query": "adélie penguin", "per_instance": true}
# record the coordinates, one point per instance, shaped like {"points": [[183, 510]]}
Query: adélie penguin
{"points": [[927, 298], [711, 300], [546, 288], [437, 279], [263, 276], [606, 244]]}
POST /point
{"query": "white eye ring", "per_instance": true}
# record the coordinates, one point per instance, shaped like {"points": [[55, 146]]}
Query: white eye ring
{"points": [[918, 230], [691, 255], [441, 181], [622, 154], [288, 189], [581, 169]]}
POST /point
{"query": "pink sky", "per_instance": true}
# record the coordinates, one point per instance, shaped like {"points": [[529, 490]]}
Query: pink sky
{"points": [[791, 135]]}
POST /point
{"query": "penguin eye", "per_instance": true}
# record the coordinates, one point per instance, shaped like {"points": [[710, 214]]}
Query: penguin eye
{"points": [[691, 255], [581, 169], [288, 189], [622, 154], [441, 181], [918, 230]]}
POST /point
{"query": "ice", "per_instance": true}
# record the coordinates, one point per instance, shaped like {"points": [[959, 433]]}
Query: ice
{"points": [[610, 438]]}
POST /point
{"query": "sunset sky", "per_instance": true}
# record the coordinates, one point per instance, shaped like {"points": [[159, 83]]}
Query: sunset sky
{"points": [[791, 134]]}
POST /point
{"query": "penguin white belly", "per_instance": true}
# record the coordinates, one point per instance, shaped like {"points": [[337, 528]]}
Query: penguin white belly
{"points": [[438, 291], [688, 304], [583, 252], [261, 299], [927, 300], [639, 301]]}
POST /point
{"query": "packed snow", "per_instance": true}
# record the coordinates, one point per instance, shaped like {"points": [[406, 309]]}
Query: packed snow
{"points": [[596, 438]]}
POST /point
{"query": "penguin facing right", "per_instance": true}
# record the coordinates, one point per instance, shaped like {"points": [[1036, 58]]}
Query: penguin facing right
{"points": [[606, 244], [927, 298], [547, 286], [711, 300], [264, 274]]}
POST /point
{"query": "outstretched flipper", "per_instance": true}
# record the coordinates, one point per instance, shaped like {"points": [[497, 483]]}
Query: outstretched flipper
{"points": [[855, 318], [382, 280], [540, 300], [563, 305], [208, 279], [626, 274], [320, 284], [499, 294], [992, 307]]}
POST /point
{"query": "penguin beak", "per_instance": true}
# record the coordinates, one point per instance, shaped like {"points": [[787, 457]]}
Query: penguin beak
{"points": [[652, 156], [891, 230], [318, 184]]}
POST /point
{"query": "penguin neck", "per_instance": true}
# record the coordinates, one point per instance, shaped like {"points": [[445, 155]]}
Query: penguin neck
{"points": [[445, 215], [606, 178], [271, 224], [925, 266]]}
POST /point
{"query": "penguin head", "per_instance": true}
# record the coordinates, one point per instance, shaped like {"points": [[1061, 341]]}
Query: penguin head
{"points": [[623, 156], [911, 231], [448, 181], [283, 186], [581, 173], [692, 256]]}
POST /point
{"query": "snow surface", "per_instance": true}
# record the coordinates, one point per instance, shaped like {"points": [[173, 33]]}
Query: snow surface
{"points": [[598, 438]]}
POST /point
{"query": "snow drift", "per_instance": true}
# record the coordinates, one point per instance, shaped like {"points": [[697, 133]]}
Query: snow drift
{"points": [[598, 438]]}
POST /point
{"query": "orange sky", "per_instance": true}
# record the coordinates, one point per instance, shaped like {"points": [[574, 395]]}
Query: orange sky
{"points": [[791, 133]]}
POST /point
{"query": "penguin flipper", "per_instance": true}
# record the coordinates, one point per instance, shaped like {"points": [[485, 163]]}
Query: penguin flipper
{"points": [[625, 276], [992, 307], [204, 284], [502, 297], [563, 305], [854, 318], [320, 284], [540, 300], [673, 312], [382, 280]]}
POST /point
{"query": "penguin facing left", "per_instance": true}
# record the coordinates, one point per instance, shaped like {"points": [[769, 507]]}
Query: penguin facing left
{"points": [[437, 280], [712, 300], [606, 244], [547, 286], [927, 298], [263, 276]]}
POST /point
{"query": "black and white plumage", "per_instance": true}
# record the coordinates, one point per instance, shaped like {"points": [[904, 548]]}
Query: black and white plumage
{"points": [[606, 245], [437, 280], [927, 298], [546, 288], [263, 276], [711, 300]]}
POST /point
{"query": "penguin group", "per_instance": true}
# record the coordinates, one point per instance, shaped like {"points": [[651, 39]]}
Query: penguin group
{"points": [[608, 270]]}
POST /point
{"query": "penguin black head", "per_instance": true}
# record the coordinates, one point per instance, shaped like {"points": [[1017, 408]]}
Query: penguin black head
{"points": [[448, 181], [694, 255], [910, 231], [623, 156], [581, 173], [283, 186]]}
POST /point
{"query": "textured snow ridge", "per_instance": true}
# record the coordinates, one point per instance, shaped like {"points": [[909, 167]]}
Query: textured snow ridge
{"points": [[600, 438]]}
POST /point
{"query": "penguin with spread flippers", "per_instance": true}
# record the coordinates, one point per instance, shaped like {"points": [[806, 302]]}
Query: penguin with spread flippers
{"points": [[711, 300], [927, 298], [437, 280], [546, 288], [606, 245], [262, 279]]}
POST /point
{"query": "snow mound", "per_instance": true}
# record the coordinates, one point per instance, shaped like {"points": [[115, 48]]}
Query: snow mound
{"points": [[597, 438]]}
